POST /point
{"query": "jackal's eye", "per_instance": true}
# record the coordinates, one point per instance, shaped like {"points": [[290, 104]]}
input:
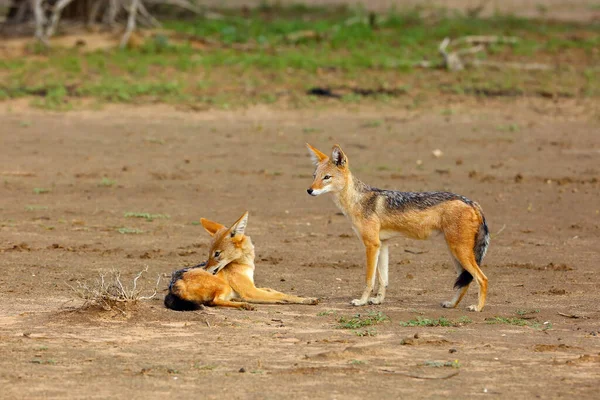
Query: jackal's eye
{"points": [[326, 177], [217, 254]]}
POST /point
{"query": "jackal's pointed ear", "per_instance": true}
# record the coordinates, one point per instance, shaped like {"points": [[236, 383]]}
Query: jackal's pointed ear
{"points": [[338, 157], [315, 154], [210, 226], [239, 226]]}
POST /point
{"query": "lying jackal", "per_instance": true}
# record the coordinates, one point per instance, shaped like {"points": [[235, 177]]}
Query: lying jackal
{"points": [[227, 275], [378, 215]]}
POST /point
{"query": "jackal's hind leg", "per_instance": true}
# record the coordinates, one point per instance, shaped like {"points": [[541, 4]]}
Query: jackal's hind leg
{"points": [[465, 256], [463, 280], [251, 294]]}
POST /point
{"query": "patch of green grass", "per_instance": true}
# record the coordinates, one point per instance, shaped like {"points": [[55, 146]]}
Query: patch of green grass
{"points": [[373, 124], [442, 321], [129, 231], [365, 332], [35, 208], [41, 190], [147, 216], [356, 362], [508, 321], [326, 312], [311, 130], [205, 367], [361, 320], [154, 140], [525, 312], [509, 128], [107, 182]]}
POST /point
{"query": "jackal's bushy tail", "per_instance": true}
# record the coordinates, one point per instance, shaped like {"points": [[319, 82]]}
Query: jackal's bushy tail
{"points": [[172, 300], [482, 241], [178, 304]]}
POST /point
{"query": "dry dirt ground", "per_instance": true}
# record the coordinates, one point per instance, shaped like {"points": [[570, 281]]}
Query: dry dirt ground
{"points": [[534, 166]]}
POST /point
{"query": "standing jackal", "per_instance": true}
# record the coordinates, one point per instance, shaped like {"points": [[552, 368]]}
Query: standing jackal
{"points": [[378, 215], [227, 275]]}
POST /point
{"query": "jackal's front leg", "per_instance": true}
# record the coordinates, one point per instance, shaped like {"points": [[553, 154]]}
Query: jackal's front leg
{"points": [[382, 275], [372, 258]]}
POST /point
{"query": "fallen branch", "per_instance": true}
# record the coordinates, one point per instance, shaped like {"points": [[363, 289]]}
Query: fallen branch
{"points": [[409, 375], [571, 315], [454, 60]]}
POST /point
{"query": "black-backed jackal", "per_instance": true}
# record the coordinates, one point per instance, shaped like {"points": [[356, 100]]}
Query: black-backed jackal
{"points": [[378, 215], [227, 278]]}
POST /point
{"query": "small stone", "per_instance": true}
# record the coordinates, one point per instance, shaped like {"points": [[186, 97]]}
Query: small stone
{"points": [[242, 370], [416, 336], [452, 351]]}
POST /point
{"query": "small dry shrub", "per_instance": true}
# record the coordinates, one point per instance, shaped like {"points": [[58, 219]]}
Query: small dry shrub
{"points": [[109, 293]]}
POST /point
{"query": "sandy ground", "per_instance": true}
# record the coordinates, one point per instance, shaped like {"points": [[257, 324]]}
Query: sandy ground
{"points": [[533, 166]]}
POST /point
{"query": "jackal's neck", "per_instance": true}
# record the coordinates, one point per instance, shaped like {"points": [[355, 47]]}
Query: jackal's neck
{"points": [[247, 257], [351, 194]]}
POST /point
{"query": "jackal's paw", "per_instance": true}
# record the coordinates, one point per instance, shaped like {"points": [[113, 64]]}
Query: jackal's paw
{"points": [[375, 300], [311, 300], [473, 308], [358, 302], [247, 306], [448, 304]]}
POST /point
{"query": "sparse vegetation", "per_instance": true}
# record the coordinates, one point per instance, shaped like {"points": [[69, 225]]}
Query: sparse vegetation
{"points": [[441, 364], [366, 332], [525, 312], [442, 321], [49, 361], [535, 324], [360, 321], [508, 321], [205, 367], [41, 190], [108, 291]]}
